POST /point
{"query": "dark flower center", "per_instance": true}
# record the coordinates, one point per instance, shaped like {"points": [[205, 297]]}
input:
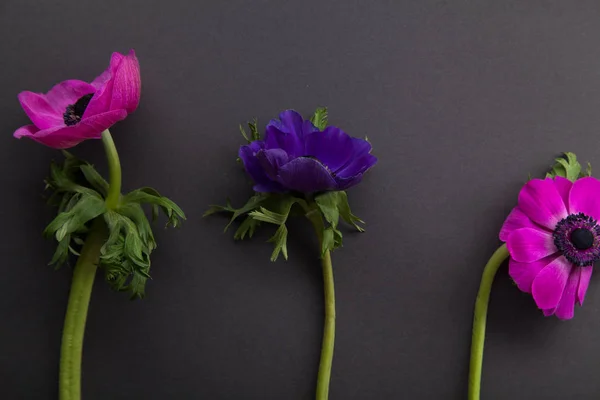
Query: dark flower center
{"points": [[582, 238], [74, 112], [577, 237]]}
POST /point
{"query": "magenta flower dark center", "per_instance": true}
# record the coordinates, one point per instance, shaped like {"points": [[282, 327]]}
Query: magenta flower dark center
{"points": [[74, 112], [577, 237]]}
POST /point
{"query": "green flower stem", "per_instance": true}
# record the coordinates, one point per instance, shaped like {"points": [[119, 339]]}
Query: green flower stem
{"points": [[69, 386], [77, 308], [326, 361], [114, 171], [479, 320]]}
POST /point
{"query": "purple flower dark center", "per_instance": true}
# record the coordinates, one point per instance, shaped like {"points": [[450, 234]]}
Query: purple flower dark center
{"points": [[74, 112], [577, 237]]}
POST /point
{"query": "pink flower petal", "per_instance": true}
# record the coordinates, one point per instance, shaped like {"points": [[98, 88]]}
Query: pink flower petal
{"points": [[64, 137], [530, 244], [127, 83], [585, 197], [523, 273], [540, 200], [515, 220], [549, 284], [566, 305], [46, 111], [585, 274], [549, 312], [563, 185]]}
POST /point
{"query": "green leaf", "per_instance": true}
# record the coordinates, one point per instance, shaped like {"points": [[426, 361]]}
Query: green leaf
{"points": [[248, 227], [86, 208], [253, 126], [328, 203], [95, 179], [566, 166], [151, 196], [252, 203], [280, 241], [332, 239], [319, 118], [244, 134], [335, 204], [268, 216], [346, 213]]}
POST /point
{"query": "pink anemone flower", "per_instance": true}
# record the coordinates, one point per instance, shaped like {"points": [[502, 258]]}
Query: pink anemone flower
{"points": [[74, 111], [553, 238]]}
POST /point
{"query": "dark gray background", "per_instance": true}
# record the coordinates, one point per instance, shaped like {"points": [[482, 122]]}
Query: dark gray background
{"points": [[461, 101]]}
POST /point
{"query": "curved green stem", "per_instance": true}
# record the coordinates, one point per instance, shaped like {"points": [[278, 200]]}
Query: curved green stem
{"points": [[327, 346], [114, 171], [69, 386], [479, 320]]}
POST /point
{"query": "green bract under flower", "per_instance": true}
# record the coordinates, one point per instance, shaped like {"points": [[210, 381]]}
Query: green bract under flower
{"points": [[79, 192]]}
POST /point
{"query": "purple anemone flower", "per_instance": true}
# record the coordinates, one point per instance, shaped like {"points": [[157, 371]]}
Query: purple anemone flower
{"points": [[553, 238], [74, 111], [296, 156]]}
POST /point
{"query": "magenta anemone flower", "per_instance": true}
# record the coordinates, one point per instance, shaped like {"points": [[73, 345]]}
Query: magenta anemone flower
{"points": [[74, 111], [553, 238], [297, 156]]}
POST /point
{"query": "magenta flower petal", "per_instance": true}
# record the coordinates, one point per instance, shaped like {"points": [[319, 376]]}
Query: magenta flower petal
{"points": [[73, 111], [46, 111], [549, 284], [585, 197], [515, 220], [541, 202], [530, 244], [306, 175], [563, 185], [127, 82], [566, 305], [523, 273], [64, 137], [333, 147], [585, 274]]}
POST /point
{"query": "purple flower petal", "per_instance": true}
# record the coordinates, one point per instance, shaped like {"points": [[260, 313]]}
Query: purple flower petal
{"points": [[360, 161], [333, 147], [585, 197], [346, 183], [523, 273], [530, 244], [566, 305], [46, 111], [286, 134], [306, 175], [541, 202], [515, 220], [271, 160], [248, 156], [548, 286], [585, 274]]}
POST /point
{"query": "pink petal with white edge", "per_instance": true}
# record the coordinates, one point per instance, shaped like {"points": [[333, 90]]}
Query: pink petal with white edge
{"points": [[563, 185], [515, 220], [585, 197], [585, 274], [566, 305], [127, 83], [523, 274], [64, 137], [530, 244], [540, 200], [549, 284]]}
